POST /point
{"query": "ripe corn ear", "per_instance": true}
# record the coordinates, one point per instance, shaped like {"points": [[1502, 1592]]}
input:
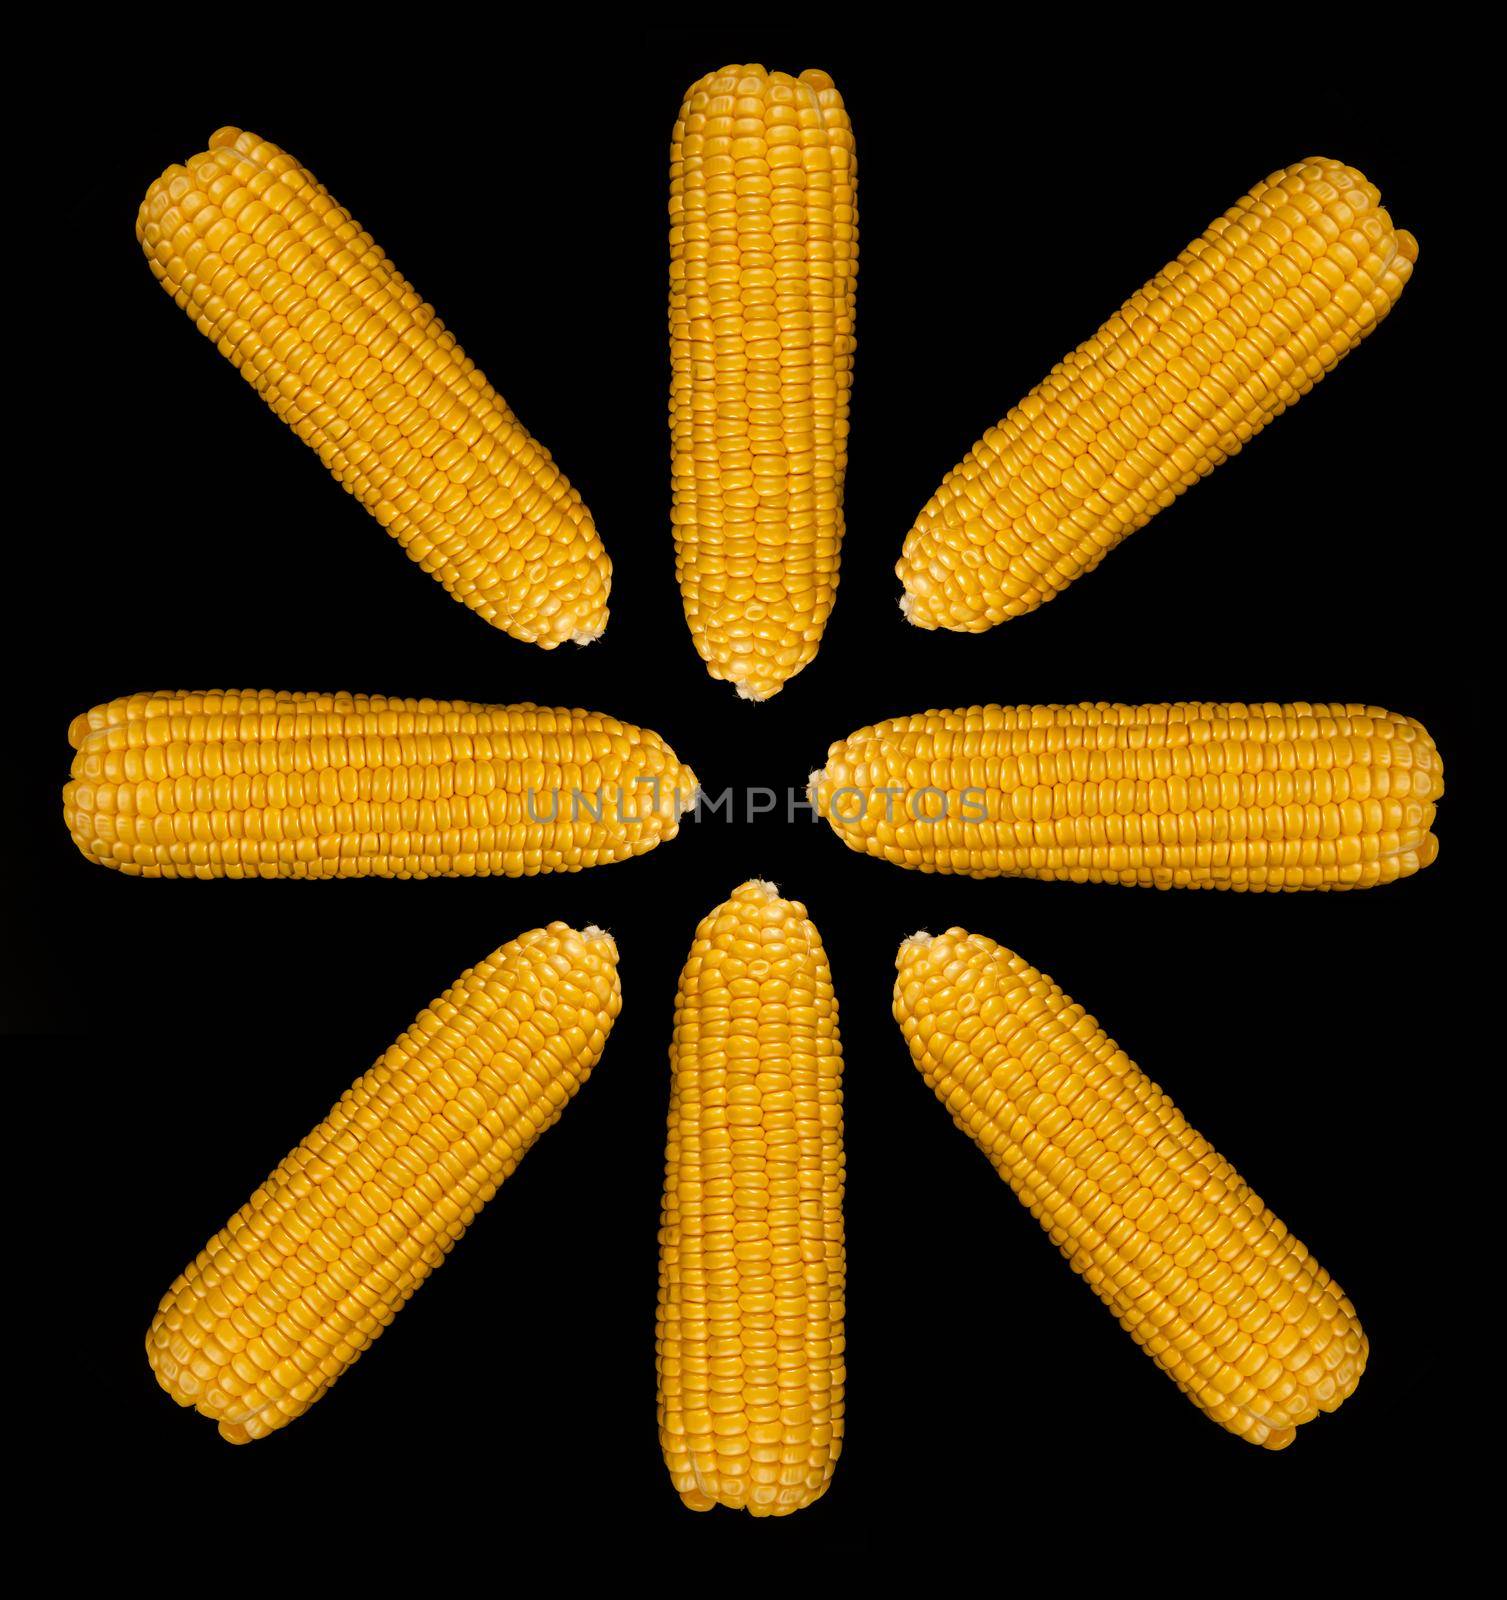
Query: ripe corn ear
{"points": [[751, 1270], [1247, 319], [295, 293], [1168, 796], [268, 784], [1158, 1224], [315, 1265], [763, 264]]}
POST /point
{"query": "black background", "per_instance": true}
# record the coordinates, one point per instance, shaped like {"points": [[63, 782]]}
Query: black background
{"points": [[198, 1030]]}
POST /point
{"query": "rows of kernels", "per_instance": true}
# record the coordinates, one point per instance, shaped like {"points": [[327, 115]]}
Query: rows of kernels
{"points": [[763, 268], [751, 1268], [314, 316], [321, 1258], [1247, 319], [1192, 1263], [262, 784], [1169, 796]]}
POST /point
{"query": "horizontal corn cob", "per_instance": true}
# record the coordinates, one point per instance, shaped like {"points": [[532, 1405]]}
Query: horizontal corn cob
{"points": [[269, 784], [763, 264], [323, 1256], [751, 1272], [1247, 319], [1168, 796], [314, 316], [1158, 1224]]}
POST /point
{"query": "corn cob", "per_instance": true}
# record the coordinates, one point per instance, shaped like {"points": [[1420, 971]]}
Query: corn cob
{"points": [[1166, 796], [323, 1256], [335, 340], [1247, 319], [1162, 1228], [763, 263], [268, 784], [751, 1270]]}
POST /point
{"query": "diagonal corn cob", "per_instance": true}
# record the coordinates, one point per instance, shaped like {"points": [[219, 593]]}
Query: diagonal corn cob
{"points": [[269, 784], [314, 1266], [751, 1270], [763, 263], [1168, 796], [1247, 319], [315, 317], [1158, 1224]]}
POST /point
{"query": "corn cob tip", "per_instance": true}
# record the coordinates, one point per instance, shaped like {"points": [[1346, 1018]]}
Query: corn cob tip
{"points": [[917, 942], [591, 935], [756, 888], [585, 636]]}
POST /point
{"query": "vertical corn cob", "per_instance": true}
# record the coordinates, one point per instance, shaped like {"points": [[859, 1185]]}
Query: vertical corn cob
{"points": [[267, 784], [763, 263], [751, 1271], [1169, 796], [1248, 318], [312, 313], [1158, 1224], [323, 1256]]}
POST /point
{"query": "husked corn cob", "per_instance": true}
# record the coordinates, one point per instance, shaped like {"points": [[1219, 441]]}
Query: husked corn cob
{"points": [[268, 784], [323, 1256], [295, 293], [1248, 318], [751, 1274], [763, 264], [1167, 796], [1157, 1223]]}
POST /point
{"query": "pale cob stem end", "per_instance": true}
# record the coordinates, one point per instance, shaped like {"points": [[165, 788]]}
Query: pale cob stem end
{"points": [[917, 941], [813, 783], [589, 635], [762, 886]]}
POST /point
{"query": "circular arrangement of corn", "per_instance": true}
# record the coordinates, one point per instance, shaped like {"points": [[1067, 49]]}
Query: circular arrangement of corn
{"points": [[267, 784], [295, 293], [750, 1340], [1166, 796], [763, 267], [1158, 1224], [751, 1265], [323, 1256], [1248, 318]]}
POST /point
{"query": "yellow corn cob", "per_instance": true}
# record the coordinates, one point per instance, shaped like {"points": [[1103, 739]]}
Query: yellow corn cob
{"points": [[1167, 796], [268, 784], [1161, 1227], [751, 1271], [323, 1256], [1248, 318], [763, 263], [315, 317]]}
